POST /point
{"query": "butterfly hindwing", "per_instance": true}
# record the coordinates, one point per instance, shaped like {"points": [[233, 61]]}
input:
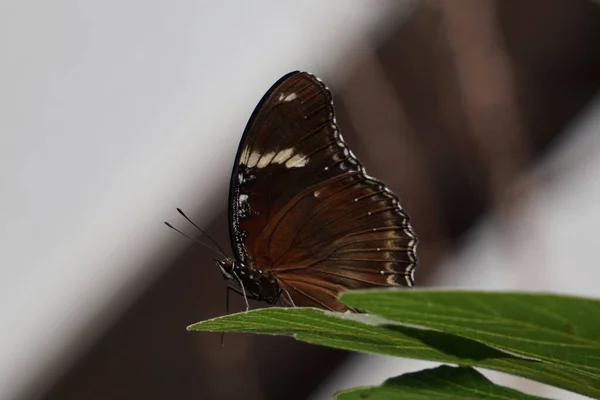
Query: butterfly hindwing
{"points": [[348, 232]]}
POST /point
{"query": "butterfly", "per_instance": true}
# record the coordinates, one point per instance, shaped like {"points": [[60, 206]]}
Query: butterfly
{"points": [[306, 221]]}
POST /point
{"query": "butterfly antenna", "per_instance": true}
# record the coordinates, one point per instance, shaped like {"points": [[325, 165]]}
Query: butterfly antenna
{"points": [[195, 240], [205, 234]]}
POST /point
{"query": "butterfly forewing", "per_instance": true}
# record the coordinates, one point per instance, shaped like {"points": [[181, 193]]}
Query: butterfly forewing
{"points": [[302, 207], [291, 142]]}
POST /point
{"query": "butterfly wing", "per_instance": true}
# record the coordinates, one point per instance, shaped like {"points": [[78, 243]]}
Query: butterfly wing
{"points": [[348, 232], [302, 207]]}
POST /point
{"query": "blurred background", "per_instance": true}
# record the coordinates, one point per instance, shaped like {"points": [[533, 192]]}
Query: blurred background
{"points": [[483, 115]]}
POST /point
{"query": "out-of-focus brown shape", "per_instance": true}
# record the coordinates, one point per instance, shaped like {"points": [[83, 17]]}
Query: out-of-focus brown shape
{"points": [[448, 111], [452, 108]]}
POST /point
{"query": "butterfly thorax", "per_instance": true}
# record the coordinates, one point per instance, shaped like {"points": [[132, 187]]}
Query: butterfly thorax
{"points": [[257, 284]]}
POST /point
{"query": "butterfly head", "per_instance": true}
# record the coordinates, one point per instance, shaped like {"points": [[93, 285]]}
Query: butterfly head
{"points": [[227, 267]]}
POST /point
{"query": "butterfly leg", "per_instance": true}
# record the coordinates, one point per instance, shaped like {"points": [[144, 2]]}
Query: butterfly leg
{"points": [[227, 300], [243, 291], [289, 297], [226, 312]]}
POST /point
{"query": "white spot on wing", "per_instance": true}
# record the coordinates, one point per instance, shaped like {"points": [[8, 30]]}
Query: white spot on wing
{"points": [[283, 156], [244, 156], [265, 160], [288, 156], [298, 161], [287, 97], [252, 159]]}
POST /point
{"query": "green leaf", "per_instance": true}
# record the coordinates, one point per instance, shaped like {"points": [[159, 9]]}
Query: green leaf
{"points": [[440, 383], [371, 334], [562, 332]]}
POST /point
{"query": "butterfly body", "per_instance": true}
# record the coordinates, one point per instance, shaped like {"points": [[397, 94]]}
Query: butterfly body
{"points": [[306, 221], [256, 284]]}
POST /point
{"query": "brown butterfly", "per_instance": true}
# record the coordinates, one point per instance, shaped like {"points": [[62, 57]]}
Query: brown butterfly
{"points": [[306, 221]]}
